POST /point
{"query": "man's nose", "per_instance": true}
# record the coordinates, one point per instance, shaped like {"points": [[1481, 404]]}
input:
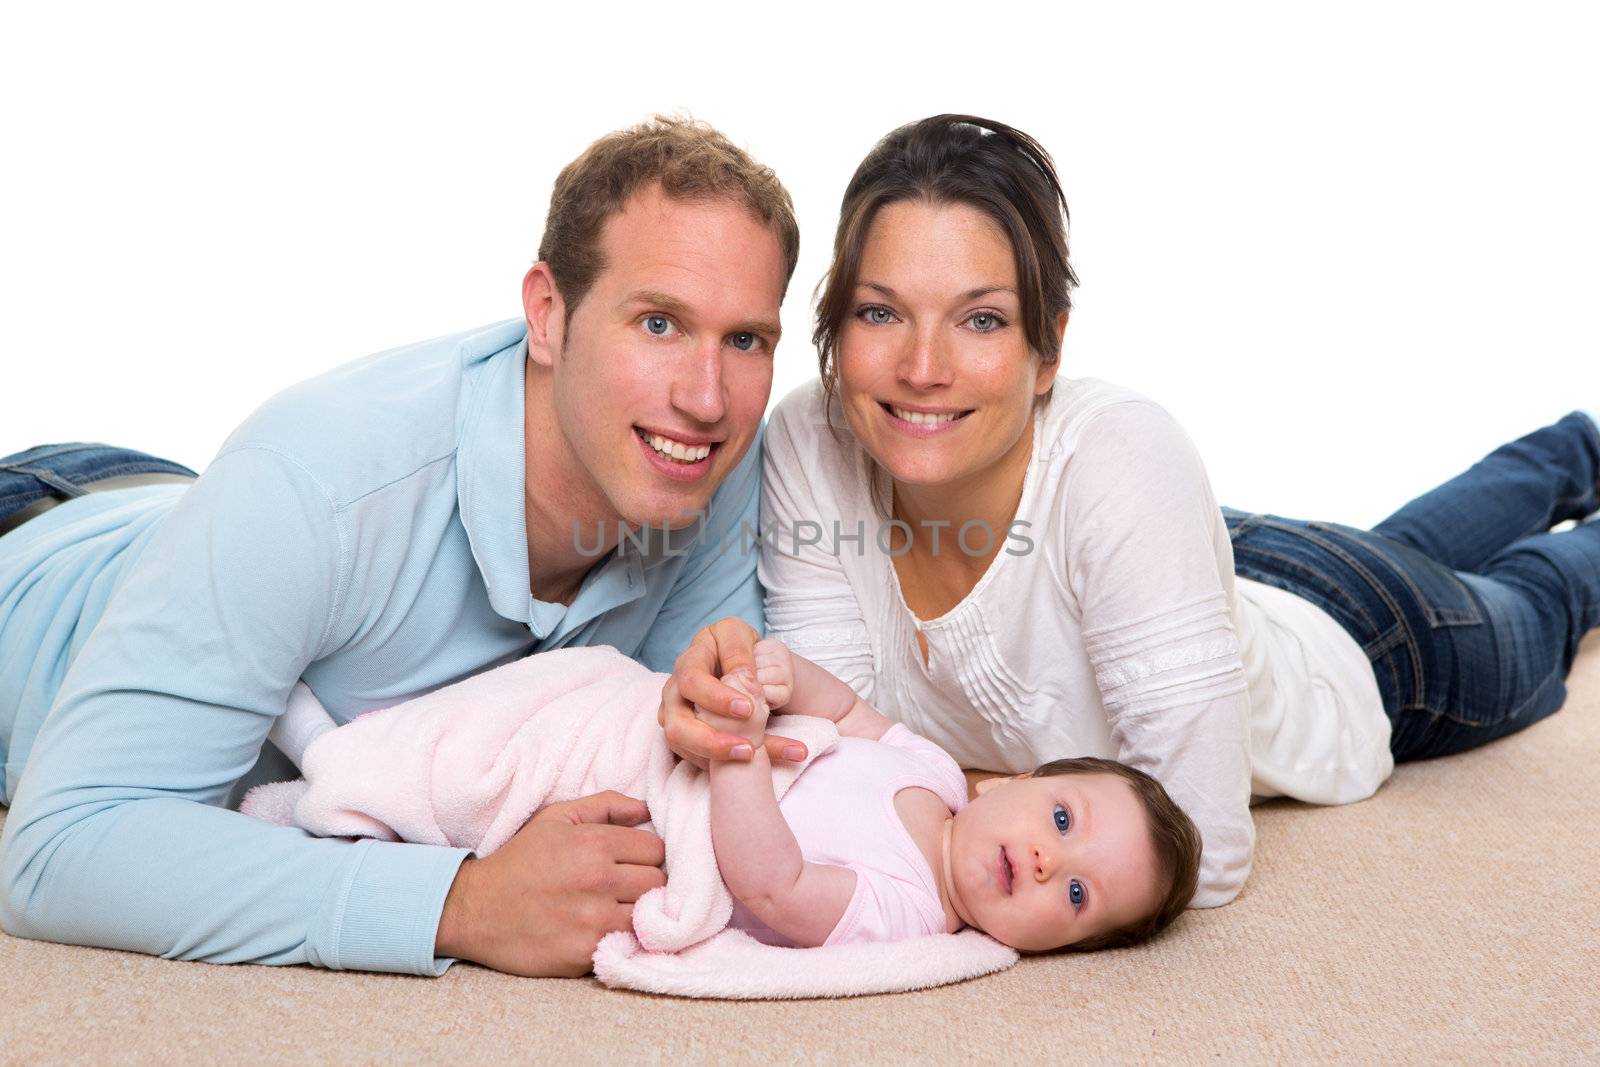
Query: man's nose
{"points": [[697, 388]]}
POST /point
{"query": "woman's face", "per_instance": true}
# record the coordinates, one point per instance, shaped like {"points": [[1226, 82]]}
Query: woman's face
{"points": [[935, 374]]}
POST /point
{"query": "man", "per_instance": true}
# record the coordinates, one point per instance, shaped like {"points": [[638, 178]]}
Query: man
{"points": [[390, 527]]}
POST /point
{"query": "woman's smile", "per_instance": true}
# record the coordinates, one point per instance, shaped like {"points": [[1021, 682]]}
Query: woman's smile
{"points": [[919, 421]]}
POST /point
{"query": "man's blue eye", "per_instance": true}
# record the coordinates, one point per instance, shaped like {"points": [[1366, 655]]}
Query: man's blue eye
{"points": [[657, 324], [744, 342], [1063, 819], [1075, 893]]}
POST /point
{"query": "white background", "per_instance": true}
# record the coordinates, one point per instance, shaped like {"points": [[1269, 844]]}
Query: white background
{"points": [[1351, 246]]}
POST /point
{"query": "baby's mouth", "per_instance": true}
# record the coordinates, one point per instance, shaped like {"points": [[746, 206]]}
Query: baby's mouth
{"points": [[1007, 875]]}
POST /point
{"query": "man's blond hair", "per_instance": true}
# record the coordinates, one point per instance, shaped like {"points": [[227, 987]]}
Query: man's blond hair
{"points": [[690, 160]]}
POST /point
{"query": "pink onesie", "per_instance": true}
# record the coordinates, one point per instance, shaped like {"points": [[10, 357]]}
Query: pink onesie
{"points": [[841, 809]]}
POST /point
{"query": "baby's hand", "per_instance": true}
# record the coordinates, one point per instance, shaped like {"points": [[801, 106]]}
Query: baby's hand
{"points": [[775, 671], [753, 728]]}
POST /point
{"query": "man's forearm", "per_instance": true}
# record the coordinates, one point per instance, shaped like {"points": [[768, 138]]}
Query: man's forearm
{"points": [[176, 878]]}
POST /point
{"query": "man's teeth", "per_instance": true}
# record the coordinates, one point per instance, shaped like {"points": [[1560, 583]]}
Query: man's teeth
{"points": [[923, 417], [677, 450]]}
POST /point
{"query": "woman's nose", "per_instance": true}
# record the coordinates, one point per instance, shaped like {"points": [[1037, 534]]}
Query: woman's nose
{"points": [[925, 362]]}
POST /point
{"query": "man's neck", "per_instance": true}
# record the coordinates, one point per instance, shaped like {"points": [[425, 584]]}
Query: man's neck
{"points": [[570, 525]]}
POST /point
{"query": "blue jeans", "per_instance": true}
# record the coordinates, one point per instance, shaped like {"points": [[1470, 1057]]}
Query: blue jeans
{"points": [[1468, 608], [63, 471]]}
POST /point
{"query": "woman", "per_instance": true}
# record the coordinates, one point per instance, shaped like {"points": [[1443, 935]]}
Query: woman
{"points": [[1100, 602]]}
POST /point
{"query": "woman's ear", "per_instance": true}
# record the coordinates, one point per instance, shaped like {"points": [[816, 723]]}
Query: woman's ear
{"points": [[545, 312], [1045, 377]]}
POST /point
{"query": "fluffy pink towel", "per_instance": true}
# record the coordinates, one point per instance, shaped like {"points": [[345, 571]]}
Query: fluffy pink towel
{"points": [[468, 764]]}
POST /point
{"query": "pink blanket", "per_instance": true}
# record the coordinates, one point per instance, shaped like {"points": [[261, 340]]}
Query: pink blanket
{"points": [[468, 764]]}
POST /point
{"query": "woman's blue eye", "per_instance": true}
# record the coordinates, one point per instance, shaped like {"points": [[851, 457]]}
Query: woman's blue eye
{"points": [[657, 324], [744, 342], [984, 323], [1075, 893], [1063, 819], [878, 316]]}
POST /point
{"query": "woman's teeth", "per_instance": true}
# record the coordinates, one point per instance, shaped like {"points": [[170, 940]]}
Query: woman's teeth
{"points": [[677, 450], [924, 417]]}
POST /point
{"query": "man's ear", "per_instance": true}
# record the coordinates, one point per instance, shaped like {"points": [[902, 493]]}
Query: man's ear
{"points": [[546, 313], [989, 783]]}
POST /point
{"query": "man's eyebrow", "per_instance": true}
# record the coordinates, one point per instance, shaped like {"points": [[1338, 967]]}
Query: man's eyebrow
{"points": [[970, 294], [770, 329], [655, 298]]}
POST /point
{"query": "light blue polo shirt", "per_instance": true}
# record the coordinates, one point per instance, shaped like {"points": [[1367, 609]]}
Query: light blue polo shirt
{"points": [[363, 530]]}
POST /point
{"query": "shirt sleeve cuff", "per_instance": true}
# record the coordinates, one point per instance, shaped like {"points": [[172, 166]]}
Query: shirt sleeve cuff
{"points": [[384, 915]]}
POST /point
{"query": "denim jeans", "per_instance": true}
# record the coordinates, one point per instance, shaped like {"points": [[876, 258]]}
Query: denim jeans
{"points": [[63, 471], [1468, 608]]}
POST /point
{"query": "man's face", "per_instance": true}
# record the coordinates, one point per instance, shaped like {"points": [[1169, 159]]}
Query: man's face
{"points": [[661, 374]]}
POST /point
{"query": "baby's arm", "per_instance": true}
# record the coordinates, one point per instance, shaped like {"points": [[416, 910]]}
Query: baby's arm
{"points": [[757, 853], [800, 687]]}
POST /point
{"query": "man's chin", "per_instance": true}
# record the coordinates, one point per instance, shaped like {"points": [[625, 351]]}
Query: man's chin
{"points": [[678, 513]]}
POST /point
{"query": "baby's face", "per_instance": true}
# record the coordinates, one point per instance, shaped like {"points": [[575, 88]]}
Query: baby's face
{"points": [[1039, 863]]}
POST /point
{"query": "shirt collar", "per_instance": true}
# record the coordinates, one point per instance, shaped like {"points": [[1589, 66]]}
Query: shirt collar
{"points": [[490, 458]]}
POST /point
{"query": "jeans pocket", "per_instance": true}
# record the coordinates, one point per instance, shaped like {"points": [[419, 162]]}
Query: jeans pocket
{"points": [[1442, 598]]}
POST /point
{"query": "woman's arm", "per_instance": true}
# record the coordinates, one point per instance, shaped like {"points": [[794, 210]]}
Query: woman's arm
{"points": [[810, 603], [1146, 558]]}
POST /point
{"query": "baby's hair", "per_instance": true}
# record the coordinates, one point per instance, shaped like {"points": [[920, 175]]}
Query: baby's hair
{"points": [[1173, 836]]}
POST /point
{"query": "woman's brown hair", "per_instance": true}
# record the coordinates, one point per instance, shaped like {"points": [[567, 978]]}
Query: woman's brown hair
{"points": [[957, 159]]}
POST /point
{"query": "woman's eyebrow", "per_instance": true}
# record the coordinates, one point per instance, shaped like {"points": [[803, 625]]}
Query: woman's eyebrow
{"points": [[970, 294], [973, 294]]}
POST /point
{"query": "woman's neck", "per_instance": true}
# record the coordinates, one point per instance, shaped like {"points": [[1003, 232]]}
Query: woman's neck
{"points": [[989, 496]]}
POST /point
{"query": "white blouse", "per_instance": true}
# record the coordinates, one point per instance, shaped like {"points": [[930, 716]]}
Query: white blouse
{"points": [[1109, 625]]}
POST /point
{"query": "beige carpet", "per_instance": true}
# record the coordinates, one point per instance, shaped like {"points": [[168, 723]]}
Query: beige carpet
{"points": [[1453, 917]]}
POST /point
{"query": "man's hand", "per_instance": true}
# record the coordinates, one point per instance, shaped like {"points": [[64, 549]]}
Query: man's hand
{"points": [[723, 648], [539, 904], [752, 729]]}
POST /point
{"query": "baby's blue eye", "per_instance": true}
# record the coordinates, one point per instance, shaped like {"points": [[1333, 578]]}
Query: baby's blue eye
{"points": [[1075, 893], [1063, 819]]}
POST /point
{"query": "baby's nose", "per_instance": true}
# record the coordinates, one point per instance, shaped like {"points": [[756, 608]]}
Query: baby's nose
{"points": [[1042, 864]]}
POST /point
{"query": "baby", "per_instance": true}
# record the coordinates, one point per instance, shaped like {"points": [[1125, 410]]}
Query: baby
{"points": [[876, 841]]}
